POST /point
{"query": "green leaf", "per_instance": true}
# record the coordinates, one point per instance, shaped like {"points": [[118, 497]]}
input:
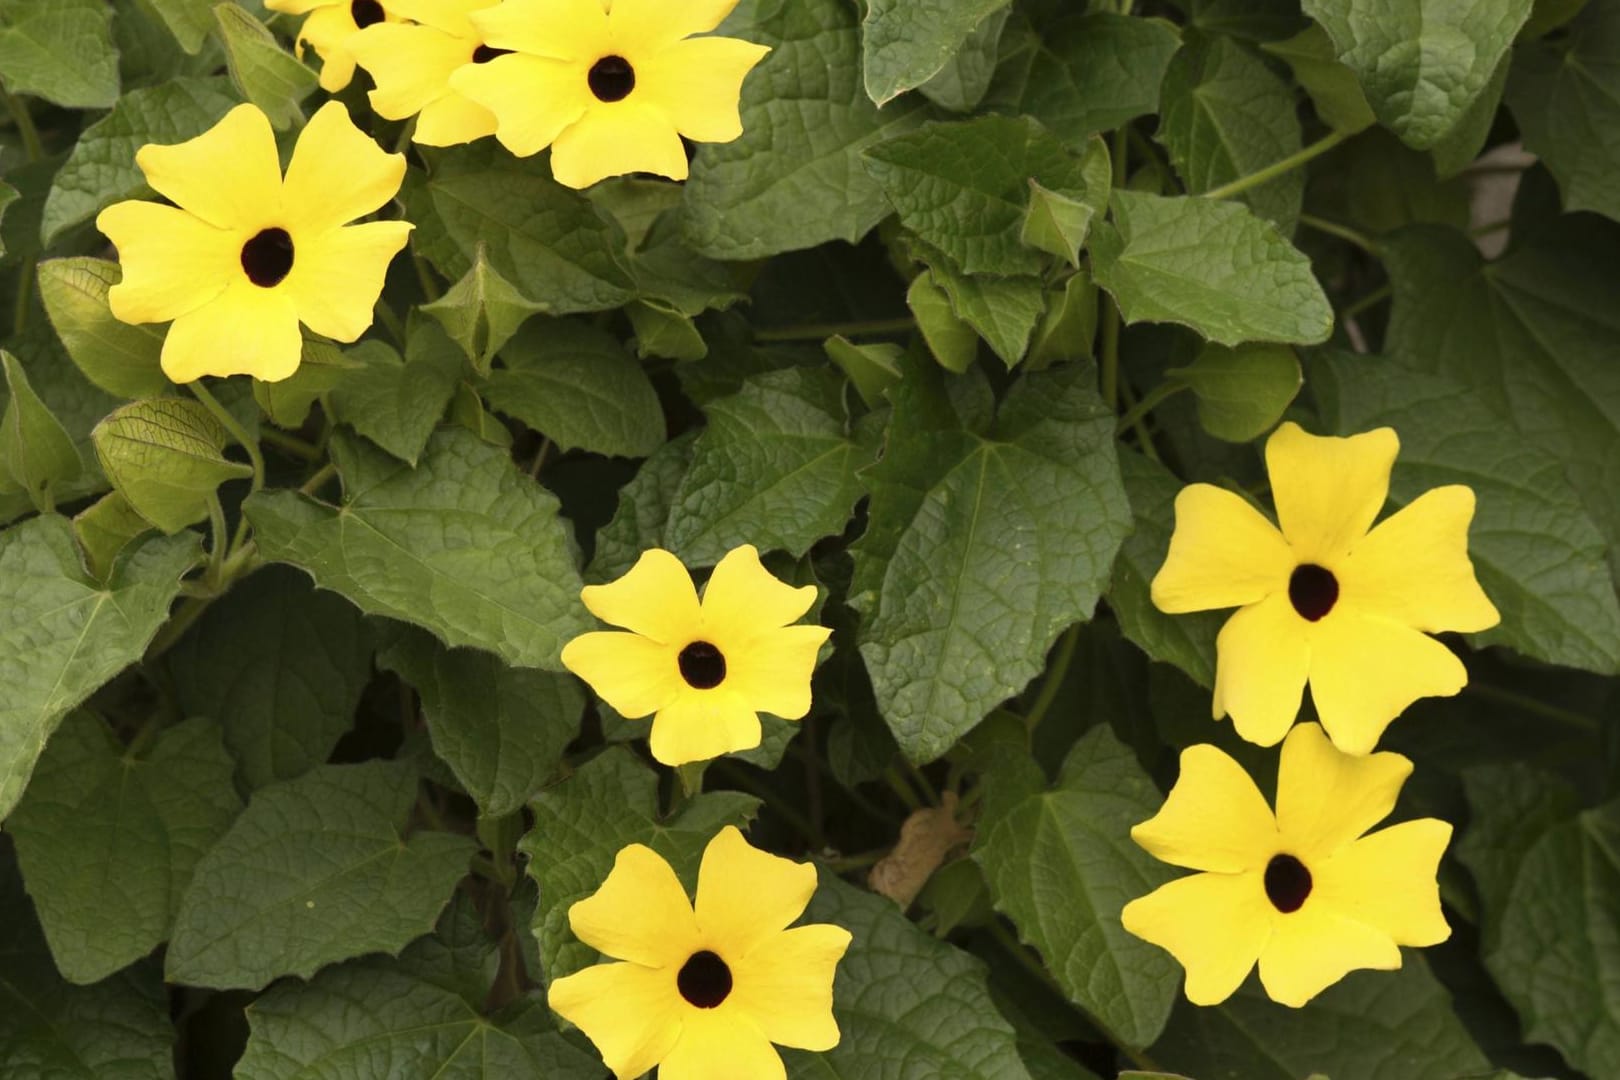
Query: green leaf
{"points": [[1225, 115], [1511, 807], [281, 666], [906, 1002], [287, 402], [1003, 310], [8, 195], [188, 20], [63, 634], [1209, 265], [1074, 841], [873, 368], [775, 468], [482, 311], [1536, 551], [267, 75], [793, 180], [501, 730], [1088, 74], [964, 80], [36, 453], [1548, 15], [463, 545], [314, 871], [1056, 223], [120, 358], [642, 511], [663, 330], [60, 50], [101, 169], [1241, 392], [104, 528], [108, 837], [985, 539], [580, 825], [907, 42], [165, 456], [964, 187], [1333, 88], [1421, 62], [951, 341], [577, 386], [397, 403], [1068, 325]]}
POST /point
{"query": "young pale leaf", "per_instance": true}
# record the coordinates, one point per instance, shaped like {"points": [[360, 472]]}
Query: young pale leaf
{"points": [[577, 386], [1074, 841], [871, 368], [964, 80], [463, 544], [104, 528], [793, 180], [119, 358], [108, 839], [482, 311], [1056, 223], [1334, 91], [63, 634], [1068, 325], [60, 50], [36, 453], [1421, 62], [397, 403], [580, 825], [775, 468], [906, 42], [267, 75], [1241, 392], [501, 730], [1210, 265], [165, 455], [985, 540], [282, 666], [1002, 310], [315, 870]]}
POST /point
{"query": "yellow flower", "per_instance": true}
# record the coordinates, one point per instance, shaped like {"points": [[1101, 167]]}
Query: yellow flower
{"points": [[411, 65], [1329, 599], [610, 85], [243, 256], [1303, 892], [705, 669], [703, 993], [330, 27]]}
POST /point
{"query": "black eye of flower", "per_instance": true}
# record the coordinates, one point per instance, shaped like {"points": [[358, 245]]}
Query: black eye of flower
{"points": [[704, 980], [1314, 590], [485, 53], [366, 12], [702, 665], [268, 257], [1288, 883], [612, 78]]}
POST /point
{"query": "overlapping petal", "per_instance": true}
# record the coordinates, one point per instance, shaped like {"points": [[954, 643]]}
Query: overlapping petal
{"points": [[173, 262], [337, 173], [1414, 566], [627, 1010], [651, 25], [411, 65], [1326, 798], [328, 30], [639, 914], [229, 176], [575, 31], [1215, 925], [1214, 818], [1365, 671], [533, 99], [1315, 947], [1328, 490], [746, 896], [1263, 658], [337, 276], [245, 330], [1223, 553]]}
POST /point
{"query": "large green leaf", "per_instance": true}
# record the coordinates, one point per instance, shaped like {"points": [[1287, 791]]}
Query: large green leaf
{"points": [[1210, 265], [1421, 62], [986, 538], [166, 456], [266, 73], [464, 545], [793, 180], [37, 455], [1002, 310], [60, 50], [394, 402], [120, 358], [188, 20], [964, 80], [314, 871], [1074, 842], [63, 634], [108, 837], [907, 42]]}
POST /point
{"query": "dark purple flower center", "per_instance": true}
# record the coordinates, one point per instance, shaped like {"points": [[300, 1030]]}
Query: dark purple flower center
{"points": [[366, 12], [704, 980], [612, 78], [1288, 883], [268, 257], [1314, 590], [485, 53], [702, 665]]}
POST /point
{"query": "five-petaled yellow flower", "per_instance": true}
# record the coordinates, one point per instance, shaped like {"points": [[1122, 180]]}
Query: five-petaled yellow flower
{"points": [[244, 255], [1330, 599], [330, 28], [610, 85], [412, 64], [1303, 892], [702, 992], [705, 669]]}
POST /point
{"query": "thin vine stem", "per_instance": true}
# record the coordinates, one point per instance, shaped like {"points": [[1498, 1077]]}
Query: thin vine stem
{"points": [[1277, 168], [1343, 232], [818, 331], [1054, 678], [1155, 397], [234, 426], [32, 146]]}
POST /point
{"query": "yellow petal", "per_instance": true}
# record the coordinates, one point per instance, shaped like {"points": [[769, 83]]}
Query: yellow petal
{"points": [[451, 16], [743, 598], [1262, 657], [611, 140], [1215, 925], [697, 84], [1326, 798], [772, 670], [573, 30], [1223, 553], [229, 175], [639, 914], [633, 674], [786, 985], [639, 25], [411, 65], [1414, 566], [1328, 490], [721, 1044], [1365, 671], [173, 262], [533, 99], [337, 173], [338, 275], [631, 1013], [297, 7], [1388, 881], [1214, 818], [1315, 947], [246, 330], [703, 724], [746, 896], [655, 599], [328, 30], [452, 120]]}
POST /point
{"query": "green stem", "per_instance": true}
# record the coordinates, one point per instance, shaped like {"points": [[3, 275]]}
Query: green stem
{"points": [[1531, 705], [1343, 232], [232, 425], [238, 563], [32, 147], [1110, 352], [540, 458], [1371, 300], [291, 444], [430, 287], [820, 331], [219, 542], [1277, 168], [318, 481], [391, 323], [1054, 678], [902, 787], [1155, 397]]}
